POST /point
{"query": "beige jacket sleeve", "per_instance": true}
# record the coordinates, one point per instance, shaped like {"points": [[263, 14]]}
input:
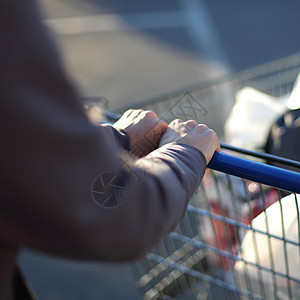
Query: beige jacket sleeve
{"points": [[51, 157]]}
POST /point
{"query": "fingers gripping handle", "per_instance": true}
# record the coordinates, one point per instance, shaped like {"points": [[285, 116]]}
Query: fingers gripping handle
{"points": [[251, 170]]}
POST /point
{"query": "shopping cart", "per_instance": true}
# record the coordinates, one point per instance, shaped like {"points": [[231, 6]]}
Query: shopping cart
{"points": [[224, 248]]}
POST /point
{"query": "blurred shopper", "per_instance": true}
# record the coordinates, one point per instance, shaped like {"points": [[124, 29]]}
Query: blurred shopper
{"points": [[51, 155]]}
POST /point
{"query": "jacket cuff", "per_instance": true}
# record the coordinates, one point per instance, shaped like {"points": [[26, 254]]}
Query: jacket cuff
{"points": [[120, 135], [187, 162], [195, 150]]}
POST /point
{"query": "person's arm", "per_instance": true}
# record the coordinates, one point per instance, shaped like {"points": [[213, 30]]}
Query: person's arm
{"points": [[51, 154], [120, 136]]}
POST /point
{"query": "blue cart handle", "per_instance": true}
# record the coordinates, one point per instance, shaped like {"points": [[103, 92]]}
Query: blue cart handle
{"points": [[248, 169], [255, 171]]}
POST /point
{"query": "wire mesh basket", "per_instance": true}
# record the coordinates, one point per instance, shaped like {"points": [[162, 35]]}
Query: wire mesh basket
{"points": [[240, 237], [217, 97], [221, 251]]}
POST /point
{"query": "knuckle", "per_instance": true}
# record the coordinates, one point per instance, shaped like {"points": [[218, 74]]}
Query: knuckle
{"points": [[212, 133], [201, 127], [150, 114], [177, 121], [191, 123], [128, 111]]}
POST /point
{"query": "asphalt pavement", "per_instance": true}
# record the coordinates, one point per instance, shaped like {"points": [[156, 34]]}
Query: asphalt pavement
{"points": [[132, 50]]}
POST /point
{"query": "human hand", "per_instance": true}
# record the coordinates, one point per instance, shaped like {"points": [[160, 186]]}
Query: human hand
{"points": [[193, 134], [144, 129], [177, 129]]}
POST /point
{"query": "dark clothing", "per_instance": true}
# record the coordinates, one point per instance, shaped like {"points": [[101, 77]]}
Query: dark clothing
{"points": [[20, 289], [284, 138], [50, 155]]}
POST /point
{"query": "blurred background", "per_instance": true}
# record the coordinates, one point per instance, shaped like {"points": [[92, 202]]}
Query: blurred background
{"points": [[132, 50]]}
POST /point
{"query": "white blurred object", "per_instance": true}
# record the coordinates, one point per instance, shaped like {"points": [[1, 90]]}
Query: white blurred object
{"points": [[294, 100], [250, 120], [250, 274]]}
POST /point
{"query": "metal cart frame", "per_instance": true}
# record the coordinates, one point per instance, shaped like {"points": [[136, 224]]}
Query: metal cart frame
{"points": [[200, 258]]}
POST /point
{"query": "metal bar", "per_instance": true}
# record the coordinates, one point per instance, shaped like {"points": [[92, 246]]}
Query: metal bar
{"points": [[269, 245], [202, 245], [247, 278], [258, 172], [201, 276], [266, 156], [239, 77], [203, 212], [287, 272]]}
